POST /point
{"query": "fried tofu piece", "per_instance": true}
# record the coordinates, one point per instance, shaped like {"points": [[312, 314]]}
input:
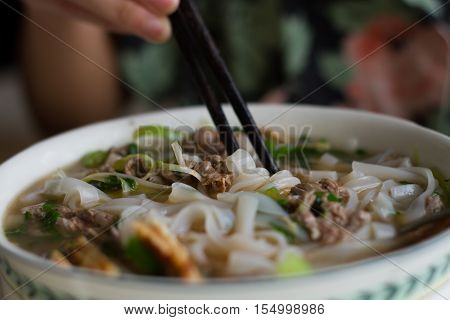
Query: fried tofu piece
{"points": [[58, 258], [85, 254], [176, 257]]}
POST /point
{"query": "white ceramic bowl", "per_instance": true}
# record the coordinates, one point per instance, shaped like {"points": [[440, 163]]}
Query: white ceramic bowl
{"points": [[406, 273]]}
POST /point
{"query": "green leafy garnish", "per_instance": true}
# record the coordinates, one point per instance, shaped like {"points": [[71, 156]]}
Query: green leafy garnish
{"points": [[51, 215], [334, 198], [130, 182], [293, 263], [94, 159], [132, 148], [113, 183], [142, 258], [275, 195], [289, 234], [319, 194]]}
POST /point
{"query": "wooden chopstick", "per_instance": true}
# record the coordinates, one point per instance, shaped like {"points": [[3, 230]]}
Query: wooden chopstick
{"points": [[186, 43], [189, 27]]}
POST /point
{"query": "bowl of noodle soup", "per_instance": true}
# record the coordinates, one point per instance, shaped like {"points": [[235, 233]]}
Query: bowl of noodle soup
{"points": [[151, 207]]}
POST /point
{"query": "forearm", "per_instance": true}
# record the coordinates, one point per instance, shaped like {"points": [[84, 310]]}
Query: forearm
{"points": [[69, 80]]}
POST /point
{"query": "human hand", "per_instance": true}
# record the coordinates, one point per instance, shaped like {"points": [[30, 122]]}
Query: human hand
{"points": [[144, 18]]}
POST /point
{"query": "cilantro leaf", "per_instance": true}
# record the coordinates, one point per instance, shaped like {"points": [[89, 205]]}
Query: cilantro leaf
{"points": [[51, 215]]}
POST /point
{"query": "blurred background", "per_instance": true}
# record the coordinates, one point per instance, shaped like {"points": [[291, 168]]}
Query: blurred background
{"points": [[17, 126], [388, 56]]}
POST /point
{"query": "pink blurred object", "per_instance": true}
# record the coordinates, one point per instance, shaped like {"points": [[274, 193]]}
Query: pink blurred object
{"points": [[403, 77]]}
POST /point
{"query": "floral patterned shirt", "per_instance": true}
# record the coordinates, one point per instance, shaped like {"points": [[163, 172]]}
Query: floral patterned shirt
{"points": [[381, 55]]}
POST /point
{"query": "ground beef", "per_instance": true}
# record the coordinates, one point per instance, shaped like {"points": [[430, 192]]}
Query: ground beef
{"points": [[135, 167], [333, 187], [156, 179], [97, 217], [303, 188], [75, 225], [309, 221], [326, 221], [37, 211], [338, 213], [205, 141], [114, 154], [215, 176], [218, 163], [89, 222], [330, 233]]}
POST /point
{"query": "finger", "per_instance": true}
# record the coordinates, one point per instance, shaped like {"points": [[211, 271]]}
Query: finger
{"points": [[129, 17], [160, 7]]}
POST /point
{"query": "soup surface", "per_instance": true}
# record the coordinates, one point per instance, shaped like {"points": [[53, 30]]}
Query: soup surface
{"points": [[172, 203]]}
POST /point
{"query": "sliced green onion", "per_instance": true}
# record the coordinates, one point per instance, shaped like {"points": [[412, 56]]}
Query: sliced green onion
{"points": [[274, 194], [148, 162], [159, 131], [293, 263], [94, 159]]}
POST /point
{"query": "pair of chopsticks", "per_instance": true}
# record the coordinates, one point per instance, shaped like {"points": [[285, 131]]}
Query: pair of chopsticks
{"points": [[196, 42]]}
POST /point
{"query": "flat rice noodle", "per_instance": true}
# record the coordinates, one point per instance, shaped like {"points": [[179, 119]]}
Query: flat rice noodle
{"points": [[265, 203], [363, 183], [417, 208], [246, 208], [77, 193], [386, 173], [245, 263]]}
